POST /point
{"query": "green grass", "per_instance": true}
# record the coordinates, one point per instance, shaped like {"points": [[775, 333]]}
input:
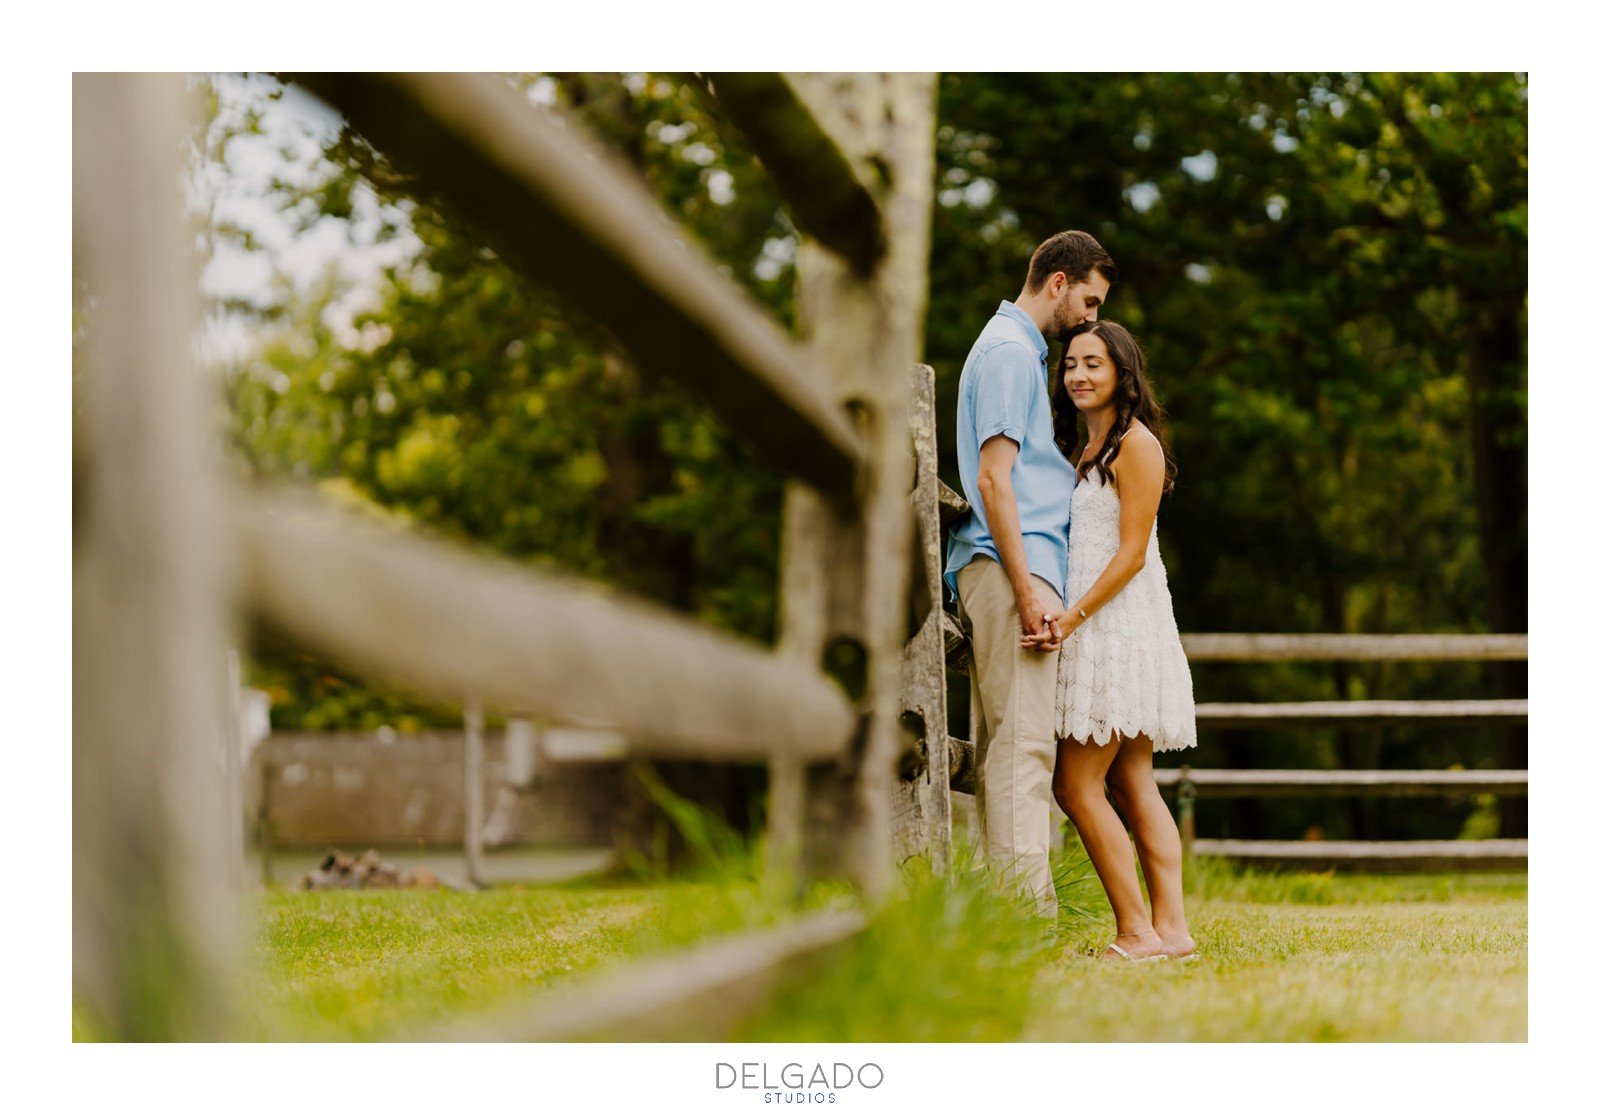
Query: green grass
{"points": [[347, 964], [363, 965], [951, 959], [1292, 957], [1307, 957], [1287, 957]]}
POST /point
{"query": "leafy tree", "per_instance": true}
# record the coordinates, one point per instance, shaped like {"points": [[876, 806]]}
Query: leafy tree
{"points": [[472, 404], [1328, 271]]}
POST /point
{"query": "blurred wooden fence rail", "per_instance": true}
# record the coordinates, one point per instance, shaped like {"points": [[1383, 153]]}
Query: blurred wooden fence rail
{"points": [[163, 560]]}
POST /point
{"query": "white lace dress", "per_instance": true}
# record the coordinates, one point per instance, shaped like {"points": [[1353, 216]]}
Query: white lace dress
{"points": [[1124, 670]]}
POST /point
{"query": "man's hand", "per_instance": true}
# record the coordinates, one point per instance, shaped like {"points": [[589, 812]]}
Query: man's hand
{"points": [[1041, 629], [1061, 629]]}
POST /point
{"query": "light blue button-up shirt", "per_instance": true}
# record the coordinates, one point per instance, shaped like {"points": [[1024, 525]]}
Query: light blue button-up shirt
{"points": [[1004, 390]]}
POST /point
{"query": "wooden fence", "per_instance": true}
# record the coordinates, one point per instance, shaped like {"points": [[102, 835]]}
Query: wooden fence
{"points": [[1186, 784], [167, 560]]}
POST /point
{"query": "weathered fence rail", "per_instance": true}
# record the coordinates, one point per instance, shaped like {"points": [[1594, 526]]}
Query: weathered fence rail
{"points": [[1353, 648], [1390, 855], [822, 187], [446, 623], [1320, 783], [568, 214], [700, 994], [1234, 715]]}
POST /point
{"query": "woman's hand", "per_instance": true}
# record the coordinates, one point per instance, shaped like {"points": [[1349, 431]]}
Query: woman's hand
{"points": [[1058, 628]]}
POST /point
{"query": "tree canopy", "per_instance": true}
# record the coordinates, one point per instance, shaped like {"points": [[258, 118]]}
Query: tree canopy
{"points": [[1328, 271]]}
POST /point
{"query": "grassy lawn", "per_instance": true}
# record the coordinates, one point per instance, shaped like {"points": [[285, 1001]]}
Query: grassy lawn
{"points": [[362, 965], [1309, 958], [1291, 957]]}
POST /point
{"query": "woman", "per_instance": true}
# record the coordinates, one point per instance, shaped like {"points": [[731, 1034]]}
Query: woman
{"points": [[1124, 690]]}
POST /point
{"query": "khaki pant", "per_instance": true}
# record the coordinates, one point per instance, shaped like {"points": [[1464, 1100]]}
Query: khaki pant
{"points": [[1014, 719]]}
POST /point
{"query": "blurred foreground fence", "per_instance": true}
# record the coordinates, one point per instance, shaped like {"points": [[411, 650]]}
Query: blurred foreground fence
{"points": [[165, 558]]}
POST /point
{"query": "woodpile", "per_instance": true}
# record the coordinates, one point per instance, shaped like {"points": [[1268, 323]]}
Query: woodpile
{"points": [[341, 871]]}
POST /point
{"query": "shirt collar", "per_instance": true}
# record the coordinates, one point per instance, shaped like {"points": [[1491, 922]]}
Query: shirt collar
{"points": [[1010, 310]]}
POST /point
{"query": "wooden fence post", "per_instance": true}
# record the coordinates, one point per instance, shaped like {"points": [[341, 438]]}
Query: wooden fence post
{"points": [[846, 570], [472, 791], [151, 903], [1186, 794], [265, 826], [922, 804]]}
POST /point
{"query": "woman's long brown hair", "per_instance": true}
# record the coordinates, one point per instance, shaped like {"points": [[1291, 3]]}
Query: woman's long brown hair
{"points": [[1132, 398]]}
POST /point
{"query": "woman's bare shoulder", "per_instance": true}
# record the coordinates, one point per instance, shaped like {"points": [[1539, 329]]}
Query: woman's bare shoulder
{"points": [[1143, 445]]}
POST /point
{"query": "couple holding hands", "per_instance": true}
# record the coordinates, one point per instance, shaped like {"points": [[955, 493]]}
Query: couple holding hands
{"points": [[1079, 676]]}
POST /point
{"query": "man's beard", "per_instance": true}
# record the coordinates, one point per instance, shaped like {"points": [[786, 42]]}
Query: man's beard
{"points": [[1060, 326]]}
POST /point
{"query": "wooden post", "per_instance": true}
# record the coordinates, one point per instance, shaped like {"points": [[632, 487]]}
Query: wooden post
{"points": [[264, 823], [922, 805], [151, 906], [975, 835], [846, 568], [1186, 794], [472, 791], [233, 767], [522, 752], [786, 798]]}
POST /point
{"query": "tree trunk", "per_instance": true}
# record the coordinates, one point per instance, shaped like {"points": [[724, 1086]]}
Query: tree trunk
{"points": [[1496, 374]]}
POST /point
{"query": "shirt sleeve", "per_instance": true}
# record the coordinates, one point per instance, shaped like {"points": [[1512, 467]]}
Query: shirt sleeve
{"points": [[1008, 378]]}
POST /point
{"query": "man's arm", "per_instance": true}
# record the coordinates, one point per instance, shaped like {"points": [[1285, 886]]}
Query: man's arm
{"points": [[995, 458]]}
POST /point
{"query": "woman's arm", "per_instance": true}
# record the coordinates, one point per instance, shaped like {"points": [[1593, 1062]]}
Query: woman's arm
{"points": [[1140, 473]]}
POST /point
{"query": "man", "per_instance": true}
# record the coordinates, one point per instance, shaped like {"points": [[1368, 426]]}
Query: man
{"points": [[1007, 562]]}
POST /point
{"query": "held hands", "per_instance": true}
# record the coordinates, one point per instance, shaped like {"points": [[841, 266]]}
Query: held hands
{"points": [[1052, 629], [1042, 630]]}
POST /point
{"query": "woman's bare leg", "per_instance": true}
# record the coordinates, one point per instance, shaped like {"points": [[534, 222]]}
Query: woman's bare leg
{"points": [[1132, 779], [1080, 788]]}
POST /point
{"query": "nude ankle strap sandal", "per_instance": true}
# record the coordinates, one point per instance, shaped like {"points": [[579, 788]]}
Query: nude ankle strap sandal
{"points": [[1122, 952]]}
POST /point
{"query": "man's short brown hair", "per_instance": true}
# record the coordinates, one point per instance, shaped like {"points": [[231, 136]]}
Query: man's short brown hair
{"points": [[1075, 254]]}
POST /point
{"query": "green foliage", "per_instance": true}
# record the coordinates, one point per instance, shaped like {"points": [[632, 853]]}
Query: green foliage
{"points": [[1328, 271], [951, 959], [716, 850], [1305, 257], [474, 406], [1329, 274]]}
